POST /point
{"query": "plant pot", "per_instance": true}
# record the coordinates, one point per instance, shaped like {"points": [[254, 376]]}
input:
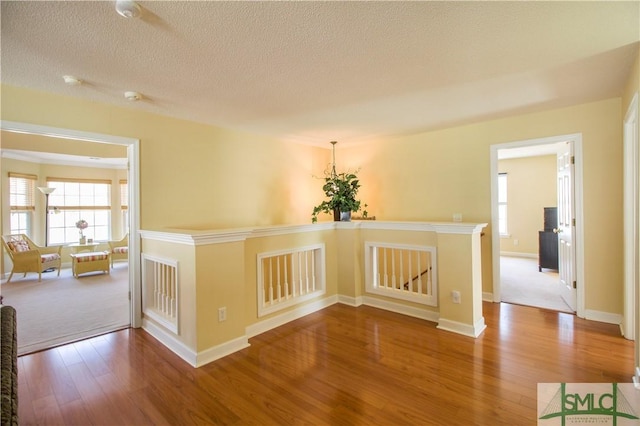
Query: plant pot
{"points": [[336, 215], [83, 240], [345, 216]]}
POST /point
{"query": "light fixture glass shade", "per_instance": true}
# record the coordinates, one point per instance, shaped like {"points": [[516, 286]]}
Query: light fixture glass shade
{"points": [[71, 80], [46, 190], [132, 96], [128, 8]]}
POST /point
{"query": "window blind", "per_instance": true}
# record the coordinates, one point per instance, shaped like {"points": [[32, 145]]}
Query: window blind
{"points": [[124, 194], [21, 191]]}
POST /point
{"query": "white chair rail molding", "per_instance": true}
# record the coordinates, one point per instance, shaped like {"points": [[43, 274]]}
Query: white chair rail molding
{"points": [[208, 292]]}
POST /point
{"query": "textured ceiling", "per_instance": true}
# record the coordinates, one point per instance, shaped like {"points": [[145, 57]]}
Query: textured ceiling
{"points": [[311, 72]]}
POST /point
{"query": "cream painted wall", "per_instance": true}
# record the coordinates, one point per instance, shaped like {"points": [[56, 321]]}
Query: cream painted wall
{"points": [[191, 175], [28, 142], [198, 176], [220, 282], [531, 186], [633, 83], [432, 175]]}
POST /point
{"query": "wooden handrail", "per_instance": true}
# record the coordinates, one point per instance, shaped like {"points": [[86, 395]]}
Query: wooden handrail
{"points": [[406, 285]]}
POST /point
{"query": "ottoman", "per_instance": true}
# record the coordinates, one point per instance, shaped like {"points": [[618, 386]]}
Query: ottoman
{"points": [[94, 261]]}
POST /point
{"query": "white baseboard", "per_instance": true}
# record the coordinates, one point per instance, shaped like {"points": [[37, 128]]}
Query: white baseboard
{"points": [[600, 316], [222, 350], [401, 309], [461, 328], [519, 254], [169, 340], [184, 352], [351, 301], [278, 320]]}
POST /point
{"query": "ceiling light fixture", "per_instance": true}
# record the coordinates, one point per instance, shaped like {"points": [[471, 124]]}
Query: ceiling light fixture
{"points": [[132, 96], [71, 80], [128, 8]]}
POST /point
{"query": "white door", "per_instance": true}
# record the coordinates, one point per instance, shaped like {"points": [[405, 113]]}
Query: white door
{"points": [[566, 226]]}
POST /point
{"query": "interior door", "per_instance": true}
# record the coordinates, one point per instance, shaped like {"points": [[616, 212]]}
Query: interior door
{"points": [[566, 226]]}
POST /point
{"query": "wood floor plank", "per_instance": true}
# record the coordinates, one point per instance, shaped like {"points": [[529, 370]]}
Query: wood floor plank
{"points": [[97, 405], [338, 366], [112, 387], [75, 413], [47, 411]]}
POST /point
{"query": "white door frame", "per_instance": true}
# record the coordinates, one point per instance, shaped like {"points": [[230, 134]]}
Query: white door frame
{"points": [[133, 154], [576, 138], [631, 220]]}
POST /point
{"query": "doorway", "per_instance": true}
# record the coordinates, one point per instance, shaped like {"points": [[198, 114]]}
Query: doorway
{"points": [[132, 148], [528, 148]]}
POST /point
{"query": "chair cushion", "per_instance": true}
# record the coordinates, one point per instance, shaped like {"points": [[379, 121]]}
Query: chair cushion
{"points": [[120, 250], [49, 257], [92, 256], [18, 245]]}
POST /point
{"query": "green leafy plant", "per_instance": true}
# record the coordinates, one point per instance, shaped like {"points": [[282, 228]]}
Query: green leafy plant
{"points": [[341, 190]]}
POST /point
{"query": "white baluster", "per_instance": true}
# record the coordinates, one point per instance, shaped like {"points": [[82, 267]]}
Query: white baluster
{"points": [[286, 279], [313, 270], [419, 272], [306, 270], [278, 281], [270, 281], [301, 280], [386, 277], [402, 267]]}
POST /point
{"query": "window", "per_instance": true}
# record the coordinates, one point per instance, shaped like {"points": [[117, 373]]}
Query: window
{"points": [[502, 203], [21, 202], [124, 204], [76, 199]]}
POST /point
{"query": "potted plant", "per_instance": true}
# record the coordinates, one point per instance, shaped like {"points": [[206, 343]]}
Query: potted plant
{"points": [[341, 190]]}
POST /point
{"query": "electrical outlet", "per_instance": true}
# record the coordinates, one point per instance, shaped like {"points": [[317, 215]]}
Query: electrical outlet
{"points": [[222, 314], [455, 296], [457, 217], [516, 242]]}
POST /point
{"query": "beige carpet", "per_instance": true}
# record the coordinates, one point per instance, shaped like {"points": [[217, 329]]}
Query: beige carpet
{"points": [[65, 309], [522, 284]]}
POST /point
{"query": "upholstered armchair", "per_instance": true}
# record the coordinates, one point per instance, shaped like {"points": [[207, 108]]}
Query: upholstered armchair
{"points": [[27, 256], [119, 249]]}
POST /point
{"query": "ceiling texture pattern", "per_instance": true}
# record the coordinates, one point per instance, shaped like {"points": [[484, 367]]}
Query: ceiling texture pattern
{"points": [[311, 71]]}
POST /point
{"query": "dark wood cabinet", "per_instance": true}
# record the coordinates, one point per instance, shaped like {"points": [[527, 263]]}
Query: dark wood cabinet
{"points": [[547, 250]]}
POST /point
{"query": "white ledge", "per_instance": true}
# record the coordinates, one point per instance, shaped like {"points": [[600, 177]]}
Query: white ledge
{"points": [[439, 227], [218, 236]]}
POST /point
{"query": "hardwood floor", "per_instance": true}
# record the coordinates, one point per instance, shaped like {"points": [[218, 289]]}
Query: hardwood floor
{"points": [[342, 366]]}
